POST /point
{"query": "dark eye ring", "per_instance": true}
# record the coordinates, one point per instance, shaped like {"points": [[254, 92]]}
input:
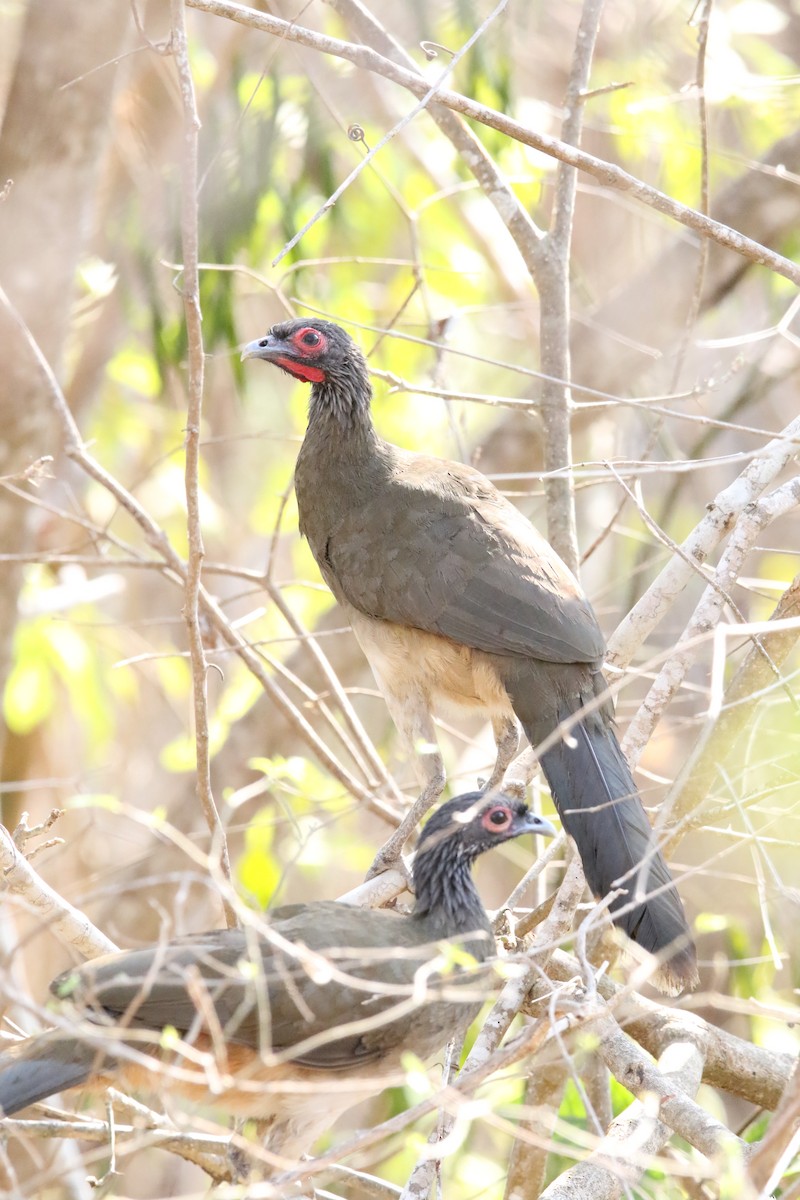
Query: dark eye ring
{"points": [[310, 338]]}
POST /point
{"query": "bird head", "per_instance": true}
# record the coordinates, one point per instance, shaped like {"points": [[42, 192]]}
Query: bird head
{"points": [[315, 351], [474, 823], [452, 839]]}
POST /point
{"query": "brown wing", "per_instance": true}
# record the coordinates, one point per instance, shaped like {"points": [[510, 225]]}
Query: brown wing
{"points": [[265, 996], [442, 550]]}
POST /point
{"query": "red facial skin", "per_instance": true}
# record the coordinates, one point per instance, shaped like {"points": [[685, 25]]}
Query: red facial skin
{"points": [[300, 370], [310, 343]]}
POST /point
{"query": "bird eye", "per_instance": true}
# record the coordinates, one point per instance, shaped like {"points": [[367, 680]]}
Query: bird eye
{"points": [[497, 818], [310, 338]]}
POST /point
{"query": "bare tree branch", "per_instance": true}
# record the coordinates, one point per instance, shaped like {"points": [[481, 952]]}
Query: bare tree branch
{"points": [[720, 518], [636, 1134], [610, 176], [72, 926], [194, 565]]}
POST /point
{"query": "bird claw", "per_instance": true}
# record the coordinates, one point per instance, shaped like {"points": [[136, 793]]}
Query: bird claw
{"points": [[239, 1162], [516, 788], [388, 860]]}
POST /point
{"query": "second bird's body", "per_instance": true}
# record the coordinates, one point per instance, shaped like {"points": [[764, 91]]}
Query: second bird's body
{"points": [[294, 1020]]}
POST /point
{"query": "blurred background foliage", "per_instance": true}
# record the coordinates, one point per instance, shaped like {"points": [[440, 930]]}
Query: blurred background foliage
{"points": [[418, 265]]}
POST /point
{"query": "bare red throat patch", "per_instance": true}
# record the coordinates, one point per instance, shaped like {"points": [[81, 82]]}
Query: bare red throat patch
{"points": [[301, 370]]}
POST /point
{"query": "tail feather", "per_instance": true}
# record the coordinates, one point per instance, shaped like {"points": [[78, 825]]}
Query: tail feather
{"points": [[600, 808], [42, 1067], [598, 803]]}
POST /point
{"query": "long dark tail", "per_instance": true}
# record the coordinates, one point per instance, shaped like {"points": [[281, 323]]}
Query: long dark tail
{"points": [[40, 1068], [600, 809]]}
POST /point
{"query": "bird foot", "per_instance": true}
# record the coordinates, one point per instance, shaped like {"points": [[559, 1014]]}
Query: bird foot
{"points": [[239, 1162], [389, 859], [515, 788]]}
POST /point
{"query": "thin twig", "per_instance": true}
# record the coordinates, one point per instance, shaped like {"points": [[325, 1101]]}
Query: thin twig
{"points": [[196, 366], [713, 745], [720, 517], [553, 282], [757, 517], [157, 538], [608, 174], [430, 94], [196, 1148], [72, 926]]}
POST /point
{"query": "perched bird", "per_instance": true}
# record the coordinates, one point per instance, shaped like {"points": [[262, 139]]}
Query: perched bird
{"points": [[456, 599], [291, 1022]]}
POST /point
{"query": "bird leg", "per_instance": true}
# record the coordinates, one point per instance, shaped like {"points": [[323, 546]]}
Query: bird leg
{"points": [[389, 857], [506, 739], [415, 724], [524, 769]]}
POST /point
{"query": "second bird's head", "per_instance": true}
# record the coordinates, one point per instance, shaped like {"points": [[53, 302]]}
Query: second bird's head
{"points": [[474, 822], [315, 351]]}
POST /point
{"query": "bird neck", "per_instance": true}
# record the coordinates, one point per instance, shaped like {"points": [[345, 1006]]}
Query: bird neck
{"points": [[342, 400], [446, 897]]}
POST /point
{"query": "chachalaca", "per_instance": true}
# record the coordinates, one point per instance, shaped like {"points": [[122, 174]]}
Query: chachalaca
{"points": [[455, 598], [313, 1008]]}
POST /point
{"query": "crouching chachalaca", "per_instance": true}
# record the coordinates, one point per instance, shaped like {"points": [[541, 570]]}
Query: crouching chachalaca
{"points": [[455, 598], [312, 1013]]}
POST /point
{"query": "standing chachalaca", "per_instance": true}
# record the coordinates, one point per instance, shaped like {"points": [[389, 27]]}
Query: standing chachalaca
{"points": [[455, 598], [313, 1011]]}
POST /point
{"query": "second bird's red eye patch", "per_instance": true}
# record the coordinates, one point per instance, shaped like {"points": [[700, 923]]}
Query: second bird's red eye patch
{"points": [[496, 819]]}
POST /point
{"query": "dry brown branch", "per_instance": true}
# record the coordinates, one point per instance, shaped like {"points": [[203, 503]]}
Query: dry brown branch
{"points": [[155, 537], [756, 517], [194, 1147], [721, 516], [730, 1063], [544, 1091], [428, 97], [72, 926], [550, 932], [633, 1069], [374, 762], [607, 174], [552, 278], [751, 682], [530, 1041], [545, 256], [471, 152], [779, 1145], [196, 369], [634, 1135], [307, 696]]}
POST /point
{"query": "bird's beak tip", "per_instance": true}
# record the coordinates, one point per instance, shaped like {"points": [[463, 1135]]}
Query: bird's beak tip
{"points": [[543, 828]]}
